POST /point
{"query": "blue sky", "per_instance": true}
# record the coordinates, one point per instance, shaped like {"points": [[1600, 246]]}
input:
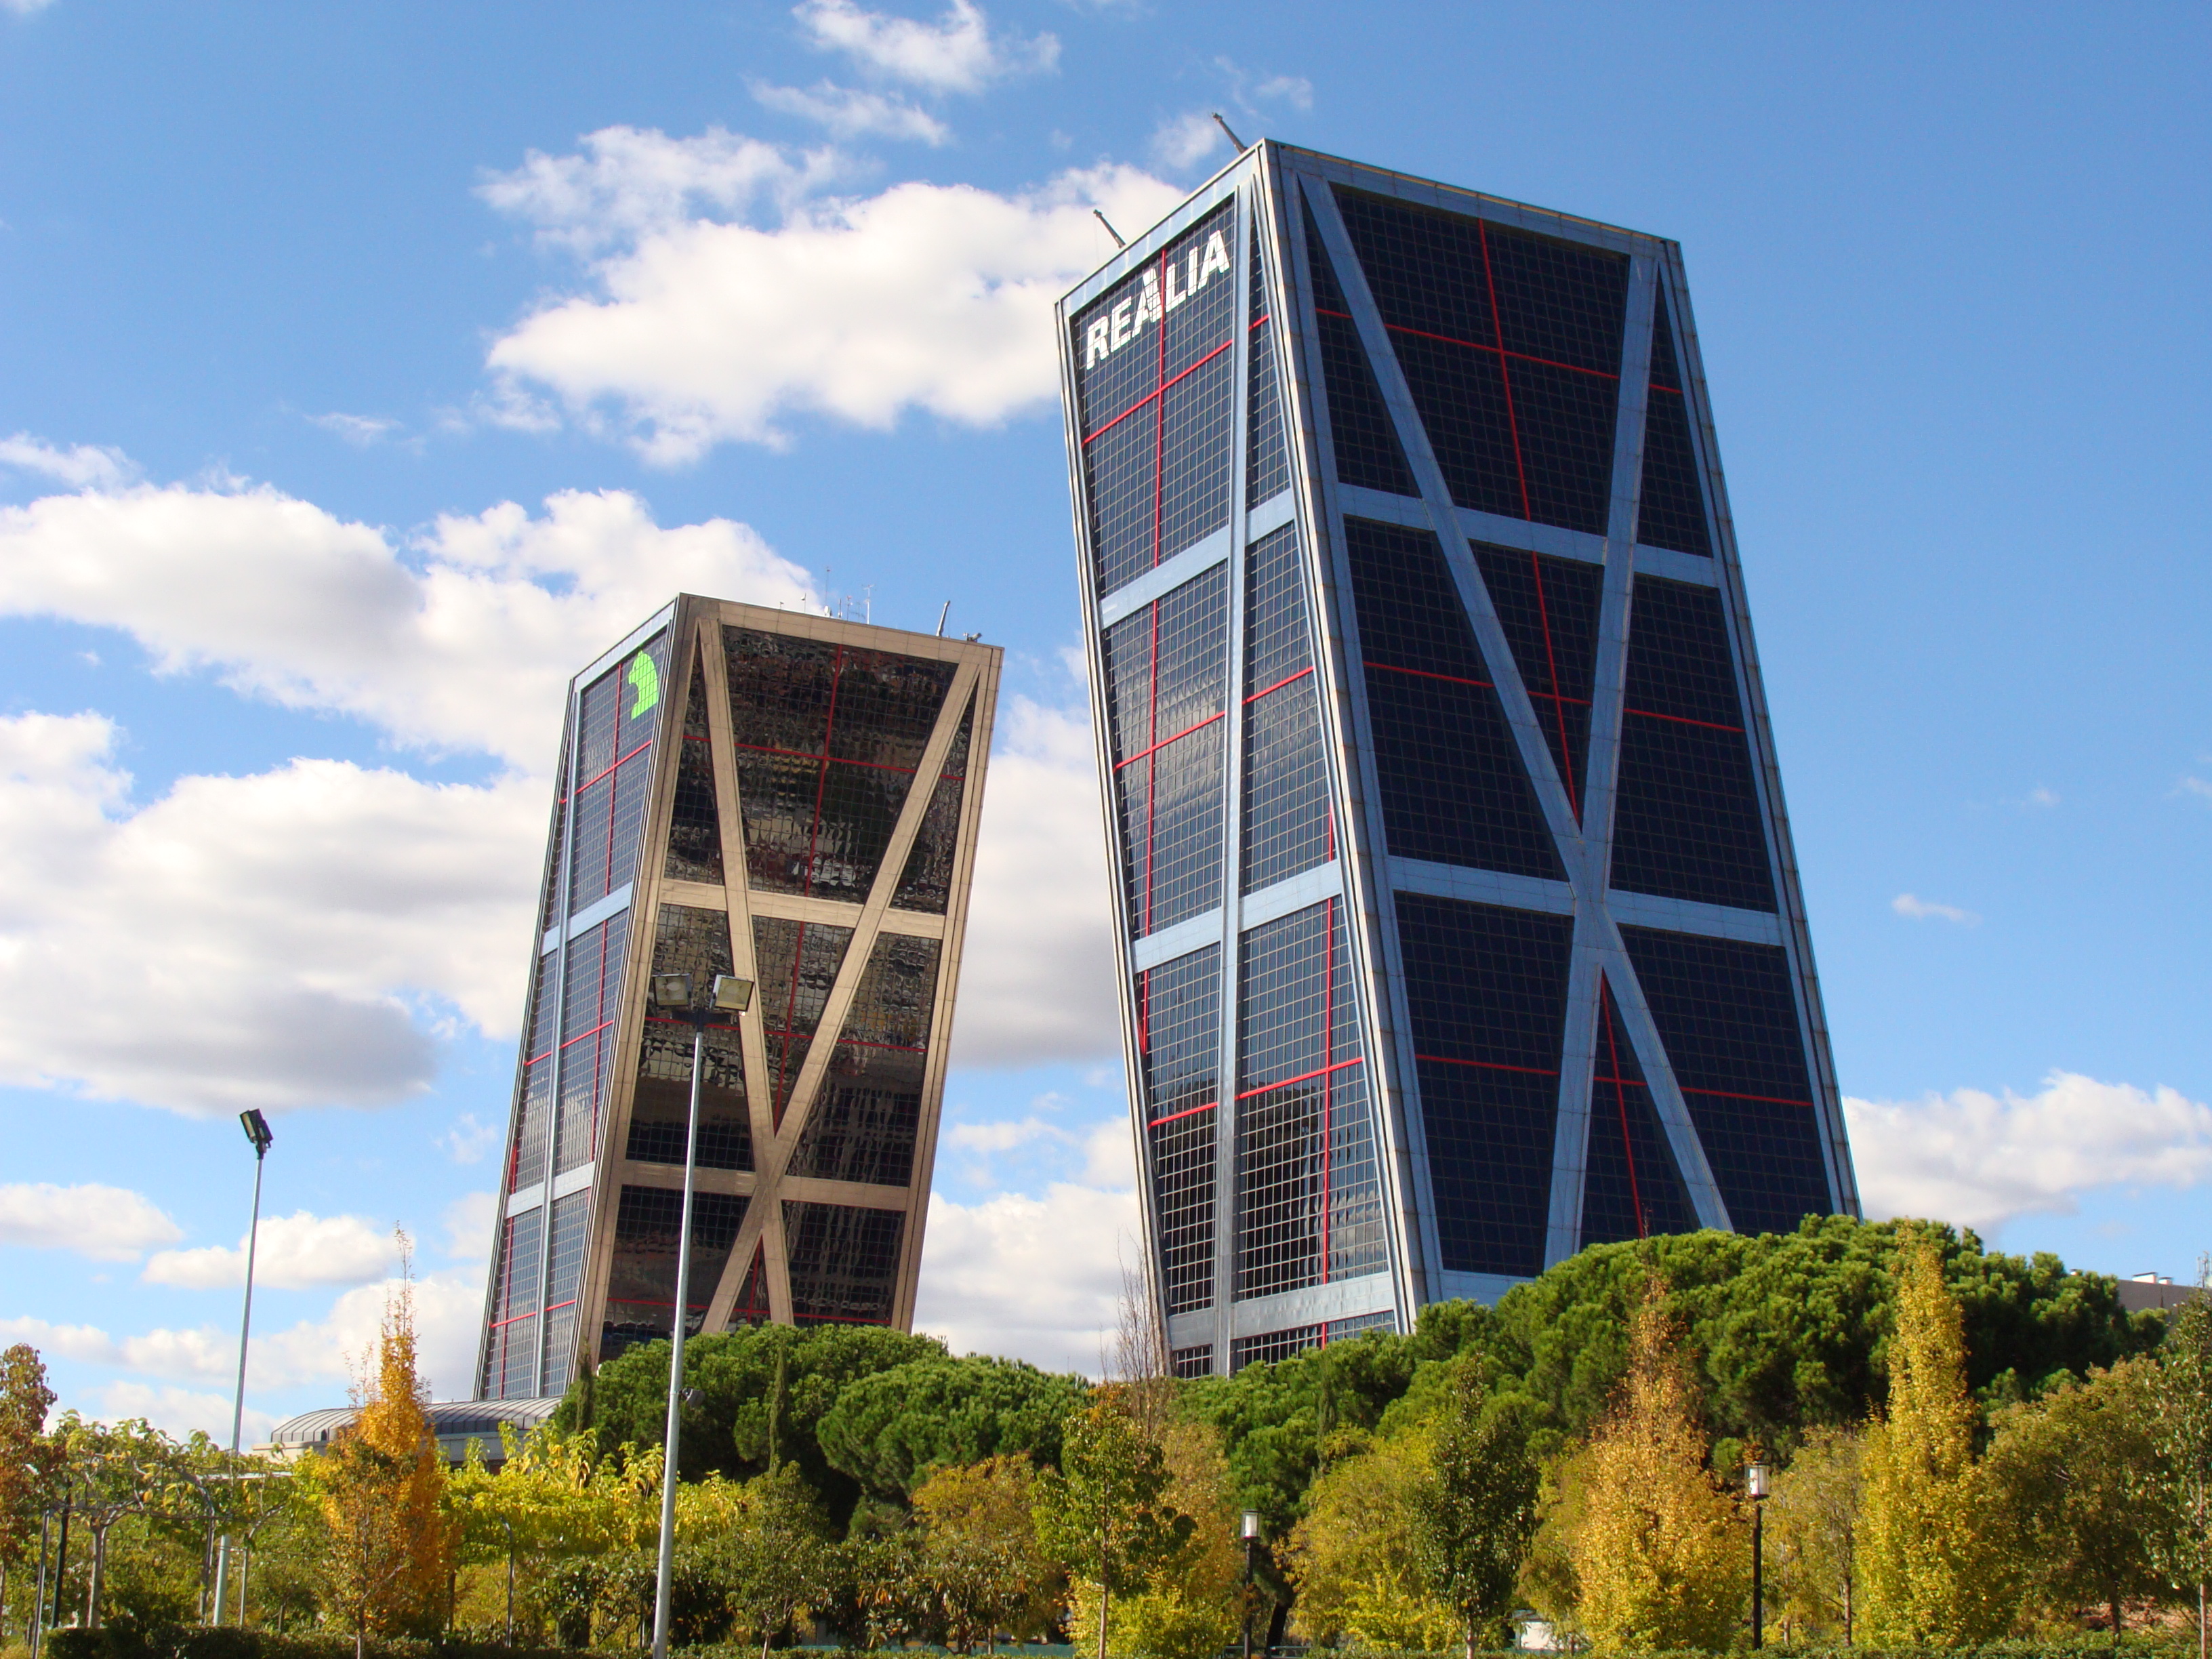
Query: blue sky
{"points": [[363, 370]]}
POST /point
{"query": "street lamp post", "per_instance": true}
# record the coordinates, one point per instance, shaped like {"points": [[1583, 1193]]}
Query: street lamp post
{"points": [[257, 1132], [1251, 1542], [1757, 1477], [673, 994]]}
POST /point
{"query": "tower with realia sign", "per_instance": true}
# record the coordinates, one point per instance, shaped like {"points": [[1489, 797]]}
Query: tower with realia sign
{"points": [[792, 799], [1458, 921]]}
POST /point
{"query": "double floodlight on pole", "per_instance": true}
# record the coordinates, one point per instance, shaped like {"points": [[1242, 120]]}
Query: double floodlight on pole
{"points": [[259, 1133], [673, 994]]}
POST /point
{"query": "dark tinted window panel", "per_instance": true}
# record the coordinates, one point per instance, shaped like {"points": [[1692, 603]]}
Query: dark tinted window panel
{"points": [[511, 1354], [589, 1006], [828, 738], [1549, 608], [694, 824], [641, 1286], [844, 1263], [1424, 267], [534, 1110], [1687, 820], [1631, 1186], [1308, 1193], [1672, 511], [1487, 991], [549, 905], [616, 717], [1287, 826], [1196, 1361], [925, 884], [866, 1119], [564, 1274], [1266, 446], [1453, 789], [1155, 382], [1556, 302], [1462, 397], [1368, 454], [1179, 1044], [1563, 420], [1167, 685], [1270, 1347], [798, 963], [1727, 1018], [694, 941]]}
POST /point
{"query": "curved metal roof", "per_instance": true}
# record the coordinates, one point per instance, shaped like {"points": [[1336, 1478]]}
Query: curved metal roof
{"points": [[449, 1419]]}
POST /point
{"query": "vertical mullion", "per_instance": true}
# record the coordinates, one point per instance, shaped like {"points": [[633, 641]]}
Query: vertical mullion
{"points": [[571, 761], [1228, 1212]]}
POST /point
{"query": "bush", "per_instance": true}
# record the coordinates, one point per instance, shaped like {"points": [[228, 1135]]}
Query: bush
{"points": [[201, 1642]]}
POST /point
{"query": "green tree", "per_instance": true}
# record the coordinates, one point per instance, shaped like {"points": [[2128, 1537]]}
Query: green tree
{"points": [[772, 1560], [28, 1459], [979, 1551], [2072, 1470], [1812, 1531], [1475, 1513], [1933, 1566], [1356, 1556], [888, 1431], [1660, 1553], [113, 1470], [2182, 1433], [1104, 1513]]}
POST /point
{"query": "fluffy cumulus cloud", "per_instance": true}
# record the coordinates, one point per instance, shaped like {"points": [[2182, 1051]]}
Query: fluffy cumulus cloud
{"points": [[108, 1224], [1037, 979], [81, 466], [1980, 1160], [730, 294], [181, 1412], [296, 1252], [959, 51]]}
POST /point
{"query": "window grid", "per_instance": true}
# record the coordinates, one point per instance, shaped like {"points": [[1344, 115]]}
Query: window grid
{"points": [[868, 1116], [925, 884], [1454, 788], [828, 740], [641, 1284], [565, 1274], [844, 1263], [1167, 681], [1309, 1197], [590, 1007], [1266, 442], [1196, 1361], [695, 941], [695, 826], [511, 1354], [1289, 824], [1549, 609], [1155, 382], [1487, 987], [1728, 1018], [616, 720], [1368, 454], [1179, 1047], [1687, 820], [526, 1154], [1630, 1187], [1511, 342], [1671, 513], [798, 963]]}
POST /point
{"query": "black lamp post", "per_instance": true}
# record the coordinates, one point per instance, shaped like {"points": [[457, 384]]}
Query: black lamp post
{"points": [[1757, 1477], [1251, 1542], [728, 998]]}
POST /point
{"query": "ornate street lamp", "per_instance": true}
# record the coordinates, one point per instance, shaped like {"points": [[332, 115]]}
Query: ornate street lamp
{"points": [[1251, 1542], [1757, 1480], [729, 997]]}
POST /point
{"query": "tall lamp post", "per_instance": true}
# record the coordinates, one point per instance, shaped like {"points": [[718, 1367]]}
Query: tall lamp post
{"points": [[1757, 1478], [673, 994], [1251, 1542], [258, 1132]]}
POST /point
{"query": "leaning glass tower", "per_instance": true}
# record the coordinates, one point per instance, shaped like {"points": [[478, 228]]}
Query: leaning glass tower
{"points": [[1459, 923]]}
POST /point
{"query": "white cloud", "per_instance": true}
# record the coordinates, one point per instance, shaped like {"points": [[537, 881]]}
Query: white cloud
{"points": [[25, 7], [1035, 1278], [2040, 796], [848, 113], [1004, 1136], [265, 941], [295, 1252], [448, 1309], [957, 54], [935, 298], [469, 1221], [2198, 786], [85, 466], [178, 1411], [1293, 89], [468, 1140], [1979, 1160], [462, 639], [1921, 909], [359, 430], [108, 1224], [1037, 977], [1183, 141]]}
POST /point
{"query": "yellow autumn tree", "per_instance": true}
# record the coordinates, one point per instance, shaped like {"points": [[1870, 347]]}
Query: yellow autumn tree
{"points": [[381, 1488], [1660, 1554], [1933, 1569]]}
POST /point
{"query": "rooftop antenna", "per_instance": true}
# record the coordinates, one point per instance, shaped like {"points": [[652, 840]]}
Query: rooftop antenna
{"points": [[868, 605], [941, 616], [1225, 126], [1111, 231]]}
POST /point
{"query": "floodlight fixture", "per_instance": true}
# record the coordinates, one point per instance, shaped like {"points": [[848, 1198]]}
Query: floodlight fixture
{"points": [[732, 995], [671, 990]]}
